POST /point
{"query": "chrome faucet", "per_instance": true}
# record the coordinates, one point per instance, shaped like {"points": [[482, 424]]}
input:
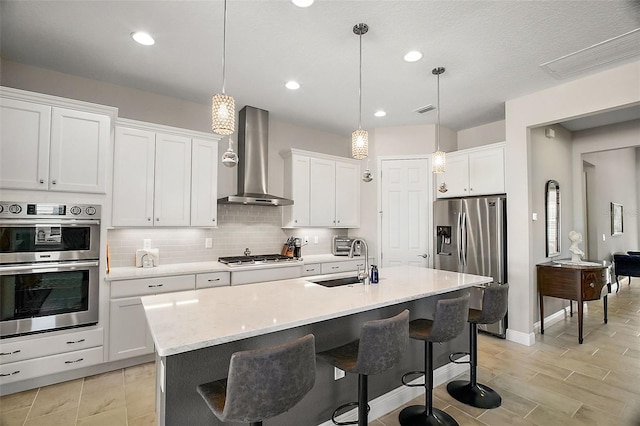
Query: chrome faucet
{"points": [[364, 275], [247, 252]]}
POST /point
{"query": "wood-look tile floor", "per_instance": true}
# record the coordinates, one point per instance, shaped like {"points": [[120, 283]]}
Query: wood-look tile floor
{"points": [[558, 381], [554, 382]]}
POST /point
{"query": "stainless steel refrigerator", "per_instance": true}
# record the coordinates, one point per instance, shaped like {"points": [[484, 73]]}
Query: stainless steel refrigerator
{"points": [[470, 237]]}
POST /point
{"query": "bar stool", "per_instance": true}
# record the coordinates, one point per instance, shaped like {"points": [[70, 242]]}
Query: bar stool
{"points": [[447, 324], [263, 383], [495, 301], [381, 345]]}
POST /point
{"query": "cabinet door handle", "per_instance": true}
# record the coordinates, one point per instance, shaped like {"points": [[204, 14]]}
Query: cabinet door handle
{"points": [[157, 219], [10, 374], [11, 353], [71, 342], [54, 182], [296, 221], [155, 285], [214, 280], [41, 180], [149, 219], [73, 362], [213, 220], [309, 270], [592, 285], [335, 267]]}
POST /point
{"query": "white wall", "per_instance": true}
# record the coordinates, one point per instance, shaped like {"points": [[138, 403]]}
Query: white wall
{"points": [[600, 92], [550, 159], [482, 135]]}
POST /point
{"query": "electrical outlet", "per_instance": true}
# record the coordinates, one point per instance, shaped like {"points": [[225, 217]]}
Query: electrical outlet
{"points": [[208, 242], [315, 239], [305, 239], [337, 373], [146, 243]]}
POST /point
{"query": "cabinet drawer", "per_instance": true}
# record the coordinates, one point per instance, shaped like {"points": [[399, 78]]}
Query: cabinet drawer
{"points": [[28, 369], [314, 269], [335, 267], [40, 346], [213, 279], [145, 286], [260, 275]]}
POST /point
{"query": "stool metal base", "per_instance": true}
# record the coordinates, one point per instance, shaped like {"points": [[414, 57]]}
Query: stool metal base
{"points": [[416, 415], [477, 395]]}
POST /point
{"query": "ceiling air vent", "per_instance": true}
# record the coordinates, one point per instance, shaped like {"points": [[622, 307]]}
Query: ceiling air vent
{"points": [[608, 52], [424, 109]]}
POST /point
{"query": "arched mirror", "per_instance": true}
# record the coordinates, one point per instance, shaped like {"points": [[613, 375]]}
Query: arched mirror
{"points": [[552, 222]]}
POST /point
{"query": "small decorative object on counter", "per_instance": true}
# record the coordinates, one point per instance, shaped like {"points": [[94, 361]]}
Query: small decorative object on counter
{"points": [[374, 274]]}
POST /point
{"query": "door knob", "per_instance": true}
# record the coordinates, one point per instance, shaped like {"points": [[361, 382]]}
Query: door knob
{"points": [[424, 255]]}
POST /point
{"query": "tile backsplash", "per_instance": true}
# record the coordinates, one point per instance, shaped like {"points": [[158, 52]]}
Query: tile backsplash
{"points": [[255, 227]]}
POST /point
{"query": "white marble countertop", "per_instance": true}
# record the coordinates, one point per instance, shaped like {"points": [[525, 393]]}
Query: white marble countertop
{"points": [[131, 272], [189, 320]]}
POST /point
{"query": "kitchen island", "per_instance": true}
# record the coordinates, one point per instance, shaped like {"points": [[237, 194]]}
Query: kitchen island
{"points": [[195, 333]]}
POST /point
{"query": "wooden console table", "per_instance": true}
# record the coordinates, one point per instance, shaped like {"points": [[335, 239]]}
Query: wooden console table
{"points": [[573, 282]]}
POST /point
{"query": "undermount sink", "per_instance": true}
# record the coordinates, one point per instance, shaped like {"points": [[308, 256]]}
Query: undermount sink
{"points": [[337, 282]]}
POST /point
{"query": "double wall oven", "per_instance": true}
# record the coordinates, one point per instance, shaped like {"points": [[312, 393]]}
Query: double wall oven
{"points": [[49, 257]]}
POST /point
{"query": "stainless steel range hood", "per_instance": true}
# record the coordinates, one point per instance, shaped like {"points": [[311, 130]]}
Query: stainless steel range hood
{"points": [[253, 153]]}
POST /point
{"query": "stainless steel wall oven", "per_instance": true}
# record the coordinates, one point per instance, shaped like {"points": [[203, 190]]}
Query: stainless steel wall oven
{"points": [[49, 257]]}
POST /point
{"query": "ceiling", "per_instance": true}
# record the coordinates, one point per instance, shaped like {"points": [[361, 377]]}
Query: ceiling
{"points": [[492, 51]]}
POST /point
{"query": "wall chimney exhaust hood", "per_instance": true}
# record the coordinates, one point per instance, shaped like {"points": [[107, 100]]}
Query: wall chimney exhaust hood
{"points": [[253, 151]]}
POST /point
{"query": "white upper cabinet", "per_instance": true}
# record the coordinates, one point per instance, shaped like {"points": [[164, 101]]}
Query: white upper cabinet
{"points": [[322, 192], [163, 178], [204, 183], [48, 147], [477, 171], [347, 195], [296, 187], [133, 174], [325, 190]]}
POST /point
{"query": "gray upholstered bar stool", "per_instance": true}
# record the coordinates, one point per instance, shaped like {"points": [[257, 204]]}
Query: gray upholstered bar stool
{"points": [[381, 345], [495, 301], [448, 323], [263, 383]]}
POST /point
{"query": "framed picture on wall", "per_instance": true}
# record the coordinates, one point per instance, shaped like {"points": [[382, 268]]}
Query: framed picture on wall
{"points": [[616, 219]]}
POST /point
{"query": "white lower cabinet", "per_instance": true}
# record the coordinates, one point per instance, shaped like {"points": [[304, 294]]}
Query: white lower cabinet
{"points": [[342, 266], [260, 275], [129, 334], [22, 359]]}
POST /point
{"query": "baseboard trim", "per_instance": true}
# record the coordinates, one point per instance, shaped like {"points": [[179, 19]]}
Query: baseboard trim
{"points": [[401, 395], [527, 339]]}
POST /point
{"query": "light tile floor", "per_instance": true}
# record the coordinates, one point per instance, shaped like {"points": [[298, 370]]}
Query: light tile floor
{"points": [[554, 382]]}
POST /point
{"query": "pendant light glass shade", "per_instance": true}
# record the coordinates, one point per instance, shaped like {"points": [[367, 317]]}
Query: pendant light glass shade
{"points": [[438, 159], [230, 158], [223, 114], [360, 138], [223, 107], [360, 144]]}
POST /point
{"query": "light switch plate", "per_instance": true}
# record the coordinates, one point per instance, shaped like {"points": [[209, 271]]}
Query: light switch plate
{"points": [[208, 242], [337, 373]]}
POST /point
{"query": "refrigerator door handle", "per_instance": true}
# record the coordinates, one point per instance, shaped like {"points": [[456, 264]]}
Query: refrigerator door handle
{"points": [[463, 238], [459, 235]]}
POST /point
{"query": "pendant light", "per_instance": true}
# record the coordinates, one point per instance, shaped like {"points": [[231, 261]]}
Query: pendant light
{"points": [[360, 138], [230, 158], [439, 157], [223, 109]]}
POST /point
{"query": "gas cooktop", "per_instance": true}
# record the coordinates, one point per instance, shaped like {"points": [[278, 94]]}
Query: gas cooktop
{"points": [[260, 259]]}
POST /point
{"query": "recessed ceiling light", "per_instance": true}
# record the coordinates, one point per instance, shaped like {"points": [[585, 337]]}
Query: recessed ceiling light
{"points": [[143, 38], [413, 56], [292, 85], [302, 3], [380, 113]]}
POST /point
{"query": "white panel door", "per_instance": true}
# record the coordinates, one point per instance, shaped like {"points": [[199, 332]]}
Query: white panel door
{"points": [[347, 195], [133, 170], [322, 192], [405, 212], [172, 193], [204, 183], [79, 146], [24, 144]]}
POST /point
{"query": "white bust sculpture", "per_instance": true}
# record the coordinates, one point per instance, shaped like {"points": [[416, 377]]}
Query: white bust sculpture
{"points": [[576, 239]]}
